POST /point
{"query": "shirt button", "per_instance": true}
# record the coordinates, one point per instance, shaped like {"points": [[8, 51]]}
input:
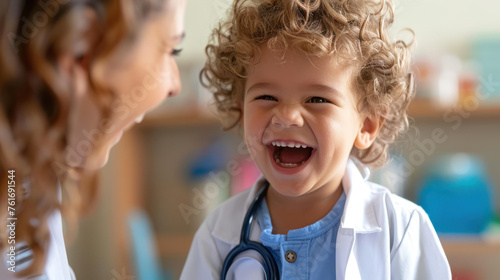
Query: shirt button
{"points": [[290, 256]]}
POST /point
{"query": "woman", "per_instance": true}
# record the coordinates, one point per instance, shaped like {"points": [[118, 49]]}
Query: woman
{"points": [[74, 74]]}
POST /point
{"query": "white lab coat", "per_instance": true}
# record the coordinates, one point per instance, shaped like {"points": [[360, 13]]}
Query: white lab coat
{"points": [[381, 236], [56, 266]]}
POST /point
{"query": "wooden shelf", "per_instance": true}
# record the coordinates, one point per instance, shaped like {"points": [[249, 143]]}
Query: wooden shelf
{"points": [[470, 246], [420, 108], [190, 117]]}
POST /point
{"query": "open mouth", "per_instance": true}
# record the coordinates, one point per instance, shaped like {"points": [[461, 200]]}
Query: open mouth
{"points": [[290, 155]]}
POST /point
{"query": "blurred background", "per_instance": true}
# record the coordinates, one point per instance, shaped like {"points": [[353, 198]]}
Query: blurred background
{"points": [[171, 170]]}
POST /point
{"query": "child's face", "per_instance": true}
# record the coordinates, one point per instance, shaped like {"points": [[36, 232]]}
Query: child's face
{"points": [[303, 101]]}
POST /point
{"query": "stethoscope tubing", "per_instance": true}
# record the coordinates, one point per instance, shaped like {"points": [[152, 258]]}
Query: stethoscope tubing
{"points": [[269, 263]]}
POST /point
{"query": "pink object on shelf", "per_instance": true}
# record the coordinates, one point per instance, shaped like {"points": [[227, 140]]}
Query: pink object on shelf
{"points": [[246, 178], [464, 275]]}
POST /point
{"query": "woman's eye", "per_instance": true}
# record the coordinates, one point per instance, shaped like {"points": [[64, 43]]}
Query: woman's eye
{"points": [[266, 97], [316, 99], [176, 52]]}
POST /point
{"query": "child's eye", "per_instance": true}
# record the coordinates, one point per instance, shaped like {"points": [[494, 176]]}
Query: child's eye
{"points": [[316, 99], [266, 97]]}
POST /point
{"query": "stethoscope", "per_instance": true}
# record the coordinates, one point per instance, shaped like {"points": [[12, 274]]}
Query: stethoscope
{"points": [[270, 265]]}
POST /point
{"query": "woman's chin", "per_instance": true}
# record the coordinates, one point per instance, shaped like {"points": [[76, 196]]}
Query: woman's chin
{"points": [[100, 158], [96, 161]]}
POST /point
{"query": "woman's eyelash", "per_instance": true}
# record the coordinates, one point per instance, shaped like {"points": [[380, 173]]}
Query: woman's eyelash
{"points": [[176, 52]]}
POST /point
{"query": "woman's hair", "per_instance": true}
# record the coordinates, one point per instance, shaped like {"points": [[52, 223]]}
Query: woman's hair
{"points": [[35, 102], [356, 31]]}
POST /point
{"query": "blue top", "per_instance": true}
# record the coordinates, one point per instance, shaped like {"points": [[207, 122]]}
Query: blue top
{"points": [[310, 250]]}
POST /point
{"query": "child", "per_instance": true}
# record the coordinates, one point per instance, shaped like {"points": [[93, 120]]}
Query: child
{"points": [[318, 89]]}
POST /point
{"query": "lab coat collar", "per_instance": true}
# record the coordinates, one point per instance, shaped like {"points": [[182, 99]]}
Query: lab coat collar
{"points": [[358, 218], [228, 228], [359, 212]]}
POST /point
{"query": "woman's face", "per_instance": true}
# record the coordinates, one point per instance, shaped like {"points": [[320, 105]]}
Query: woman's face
{"points": [[141, 75]]}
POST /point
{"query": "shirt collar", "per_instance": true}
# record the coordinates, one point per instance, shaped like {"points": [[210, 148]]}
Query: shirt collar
{"points": [[331, 220]]}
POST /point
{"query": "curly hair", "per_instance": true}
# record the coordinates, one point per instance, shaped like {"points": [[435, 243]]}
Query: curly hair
{"points": [[35, 101], [356, 31]]}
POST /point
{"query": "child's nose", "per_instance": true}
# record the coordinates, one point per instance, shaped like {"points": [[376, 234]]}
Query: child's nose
{"points": [[288, 115]]}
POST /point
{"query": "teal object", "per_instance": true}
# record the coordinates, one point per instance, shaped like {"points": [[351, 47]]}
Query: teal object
{"points": [[146, 262], [457, 195], [486, 54]]}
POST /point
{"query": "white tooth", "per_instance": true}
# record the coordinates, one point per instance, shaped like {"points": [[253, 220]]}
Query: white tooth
{"points": [[297, 146], [139, 119], [283, 144], [291, 145], [304, 146], [274, 144]]}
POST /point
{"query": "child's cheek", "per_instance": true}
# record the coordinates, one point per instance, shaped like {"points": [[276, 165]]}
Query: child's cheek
{"points": [[253, 143]]}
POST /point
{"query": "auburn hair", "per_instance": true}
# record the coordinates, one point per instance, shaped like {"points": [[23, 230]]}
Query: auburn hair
{"points": [[35, 101]]}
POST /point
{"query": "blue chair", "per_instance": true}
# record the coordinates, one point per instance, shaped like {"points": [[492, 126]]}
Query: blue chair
{"points": [[146, 262]]}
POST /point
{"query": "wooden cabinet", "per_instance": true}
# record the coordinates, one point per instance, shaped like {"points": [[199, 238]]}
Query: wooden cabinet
{"points": [[474, 258]]}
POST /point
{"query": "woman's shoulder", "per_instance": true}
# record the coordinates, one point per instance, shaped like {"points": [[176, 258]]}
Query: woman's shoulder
{"points": [[56, 266]]}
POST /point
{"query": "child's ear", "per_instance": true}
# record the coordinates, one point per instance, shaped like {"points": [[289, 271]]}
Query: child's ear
{"points": [[368, 131]]}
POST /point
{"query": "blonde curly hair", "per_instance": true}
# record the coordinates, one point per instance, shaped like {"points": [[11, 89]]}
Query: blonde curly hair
{"points": [[356, 31]]}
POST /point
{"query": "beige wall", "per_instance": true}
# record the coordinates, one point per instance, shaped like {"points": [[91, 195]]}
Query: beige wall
{"points": [[440, 25], [447, 25]]}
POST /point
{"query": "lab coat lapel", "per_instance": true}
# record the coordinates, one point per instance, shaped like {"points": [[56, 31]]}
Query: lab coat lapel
{"points": [[359, 213], [346, 266], [228, 230], [358, 218]]}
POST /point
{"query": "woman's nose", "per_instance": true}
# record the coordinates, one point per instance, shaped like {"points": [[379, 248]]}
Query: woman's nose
{"points": [[174, 80], [288, 115]]}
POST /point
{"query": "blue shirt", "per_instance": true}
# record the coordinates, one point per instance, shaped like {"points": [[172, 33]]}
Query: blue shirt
{"points": [[310, 250]]}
